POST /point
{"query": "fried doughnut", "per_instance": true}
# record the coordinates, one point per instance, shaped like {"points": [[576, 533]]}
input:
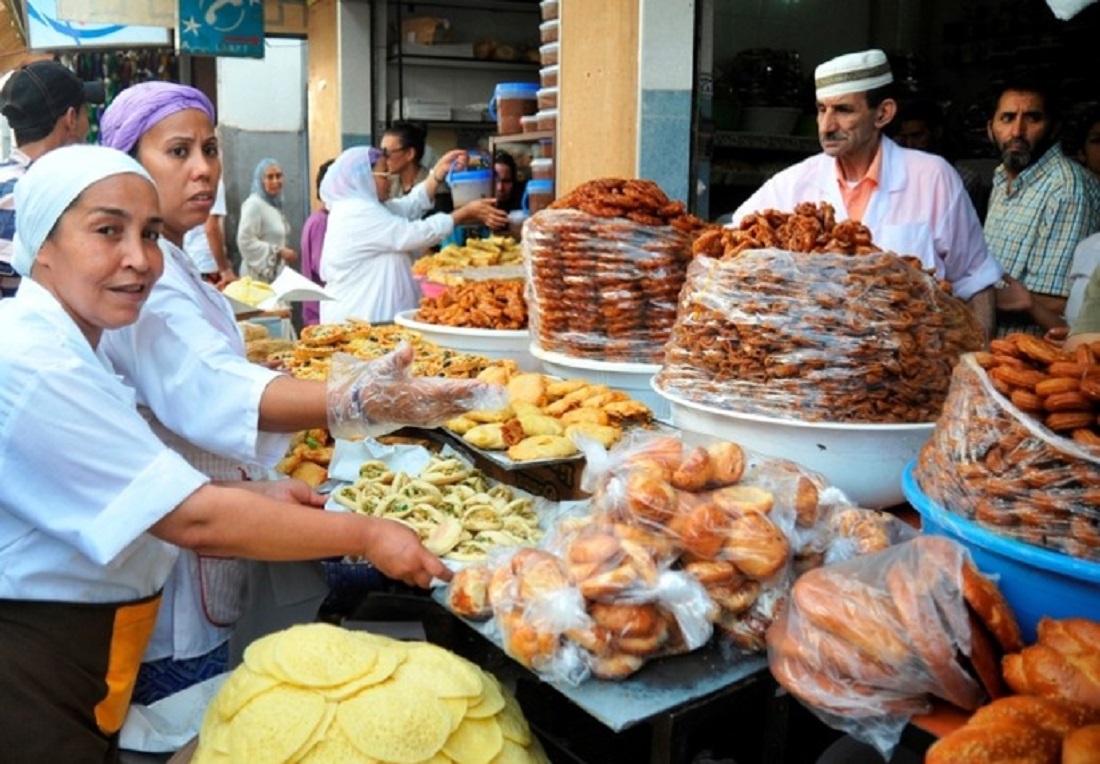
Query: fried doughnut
{"points": [[742, 499], [984, 657], [735, 598], [694, 472], [713, 572], [755, 546], [609, 583], [648, 497], [703, 530], [727, 463]]}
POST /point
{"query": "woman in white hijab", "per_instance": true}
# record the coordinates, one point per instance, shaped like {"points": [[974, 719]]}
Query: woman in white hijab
{"points": [[263, 230], [365, 262]]}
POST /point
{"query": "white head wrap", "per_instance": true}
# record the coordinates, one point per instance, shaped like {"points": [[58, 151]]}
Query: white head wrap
{"points": [[351, 176], [852, 73], [51, 185]]}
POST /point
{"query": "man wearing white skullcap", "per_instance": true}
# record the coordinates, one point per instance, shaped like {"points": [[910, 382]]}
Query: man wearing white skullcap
{"points": [[913, 202]]}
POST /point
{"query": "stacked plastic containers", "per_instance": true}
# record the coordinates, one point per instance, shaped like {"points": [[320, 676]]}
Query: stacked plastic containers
{"points": [[540, 189]]}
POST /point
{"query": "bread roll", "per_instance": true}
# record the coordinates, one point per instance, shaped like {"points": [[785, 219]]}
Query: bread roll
{"points": [[694, 472], [1004, 740], [1082, 746], [468, 592], [727, 463]]}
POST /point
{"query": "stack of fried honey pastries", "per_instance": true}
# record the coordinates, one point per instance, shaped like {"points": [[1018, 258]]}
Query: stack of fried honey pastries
{"points": [[677, 540], [605, 264], [822, 336], [1016, 449], [477, 305], [867, 642], [546, 416], [1055, 718]]}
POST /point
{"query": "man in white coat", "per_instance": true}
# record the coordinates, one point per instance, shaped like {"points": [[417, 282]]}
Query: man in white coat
{"points": [[913, 202]]}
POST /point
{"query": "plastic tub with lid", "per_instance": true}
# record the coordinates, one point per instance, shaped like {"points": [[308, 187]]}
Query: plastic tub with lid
{"points": [[516, 219], [549, 9], [546, 148], [537, 195], [469, 185], [548, 76], [548, 119], [548, 53], [512, 100], [529, 123], [548, 31], [547, 98], [542, 168]]}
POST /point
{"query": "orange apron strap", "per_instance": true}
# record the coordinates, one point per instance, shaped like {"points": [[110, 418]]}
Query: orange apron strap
{"points": [[133, 627]]}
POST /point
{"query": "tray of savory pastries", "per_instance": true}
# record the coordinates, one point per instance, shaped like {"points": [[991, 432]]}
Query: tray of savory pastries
{"points": [[546, 419]]}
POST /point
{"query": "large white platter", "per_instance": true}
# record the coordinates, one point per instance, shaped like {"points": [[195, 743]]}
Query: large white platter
{"points": [[493, 343], [632, 378], [866, 461]]}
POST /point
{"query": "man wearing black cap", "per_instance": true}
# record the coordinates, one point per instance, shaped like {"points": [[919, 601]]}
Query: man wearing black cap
{"points": [[46, 106]]}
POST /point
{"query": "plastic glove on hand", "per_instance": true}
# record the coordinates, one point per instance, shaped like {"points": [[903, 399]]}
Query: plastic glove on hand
{"points": [[368, 399]]}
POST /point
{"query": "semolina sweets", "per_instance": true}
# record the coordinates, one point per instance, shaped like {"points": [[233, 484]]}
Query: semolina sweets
{"points": [[320, 693]]}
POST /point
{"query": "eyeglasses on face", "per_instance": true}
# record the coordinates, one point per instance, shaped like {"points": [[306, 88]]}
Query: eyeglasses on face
{"points": [[386, 153]]}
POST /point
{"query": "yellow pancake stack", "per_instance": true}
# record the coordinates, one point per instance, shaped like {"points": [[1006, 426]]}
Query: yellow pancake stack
{"points": [[319, 693]]}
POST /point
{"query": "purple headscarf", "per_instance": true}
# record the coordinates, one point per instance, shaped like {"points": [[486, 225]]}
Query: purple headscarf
{"points": [[139, 107], [351, 176]]}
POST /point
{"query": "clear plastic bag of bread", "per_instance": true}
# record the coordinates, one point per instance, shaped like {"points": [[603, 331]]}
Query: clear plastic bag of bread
{"points": [[1029, 474], [601, 285], [534, 604], [868, 338], [865, 644], [731, 518]]}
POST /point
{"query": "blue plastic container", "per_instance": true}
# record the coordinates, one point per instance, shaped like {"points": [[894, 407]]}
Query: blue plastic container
{"points": [[537, 195], [469, 185], [510, 101], [1036, 582]]}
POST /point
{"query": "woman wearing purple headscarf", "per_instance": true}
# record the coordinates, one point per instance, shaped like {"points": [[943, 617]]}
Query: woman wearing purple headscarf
{"points": [[185, 358], [365, 260], [263, 229]]}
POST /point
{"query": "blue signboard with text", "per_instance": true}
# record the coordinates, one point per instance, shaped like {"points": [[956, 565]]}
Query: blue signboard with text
{"points": [[222, 28]]}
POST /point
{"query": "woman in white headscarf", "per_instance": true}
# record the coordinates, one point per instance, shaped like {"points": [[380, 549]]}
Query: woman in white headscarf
{"points": [[93, 506], [365, 262], [263, 229], [184, 357]]}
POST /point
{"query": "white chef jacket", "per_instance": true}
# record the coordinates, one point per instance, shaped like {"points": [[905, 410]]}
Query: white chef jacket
{"points": [[920, 208], [185, 357], [83, 475], [365, 261]]}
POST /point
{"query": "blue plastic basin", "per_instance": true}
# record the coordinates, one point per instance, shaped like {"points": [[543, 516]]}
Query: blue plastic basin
{"points": [[1036, 582]]}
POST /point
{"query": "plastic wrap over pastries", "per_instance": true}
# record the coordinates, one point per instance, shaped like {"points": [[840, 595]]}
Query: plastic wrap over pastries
{"points": [[1031, 473], [677, 541], [865, 643], [822, 336], [605, 265]]}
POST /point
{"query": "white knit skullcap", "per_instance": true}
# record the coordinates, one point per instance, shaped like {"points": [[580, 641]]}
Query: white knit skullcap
{"points": [[51, 185], [852, 73]]}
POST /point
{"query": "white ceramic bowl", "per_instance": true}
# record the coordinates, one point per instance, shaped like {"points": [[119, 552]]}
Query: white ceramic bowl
{"points": [[633, 378], [866, 461], [506, 344]]}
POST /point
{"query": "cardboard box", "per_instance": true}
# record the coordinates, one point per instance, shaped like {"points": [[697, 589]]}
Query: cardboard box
{"points": [[426, 30]]}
